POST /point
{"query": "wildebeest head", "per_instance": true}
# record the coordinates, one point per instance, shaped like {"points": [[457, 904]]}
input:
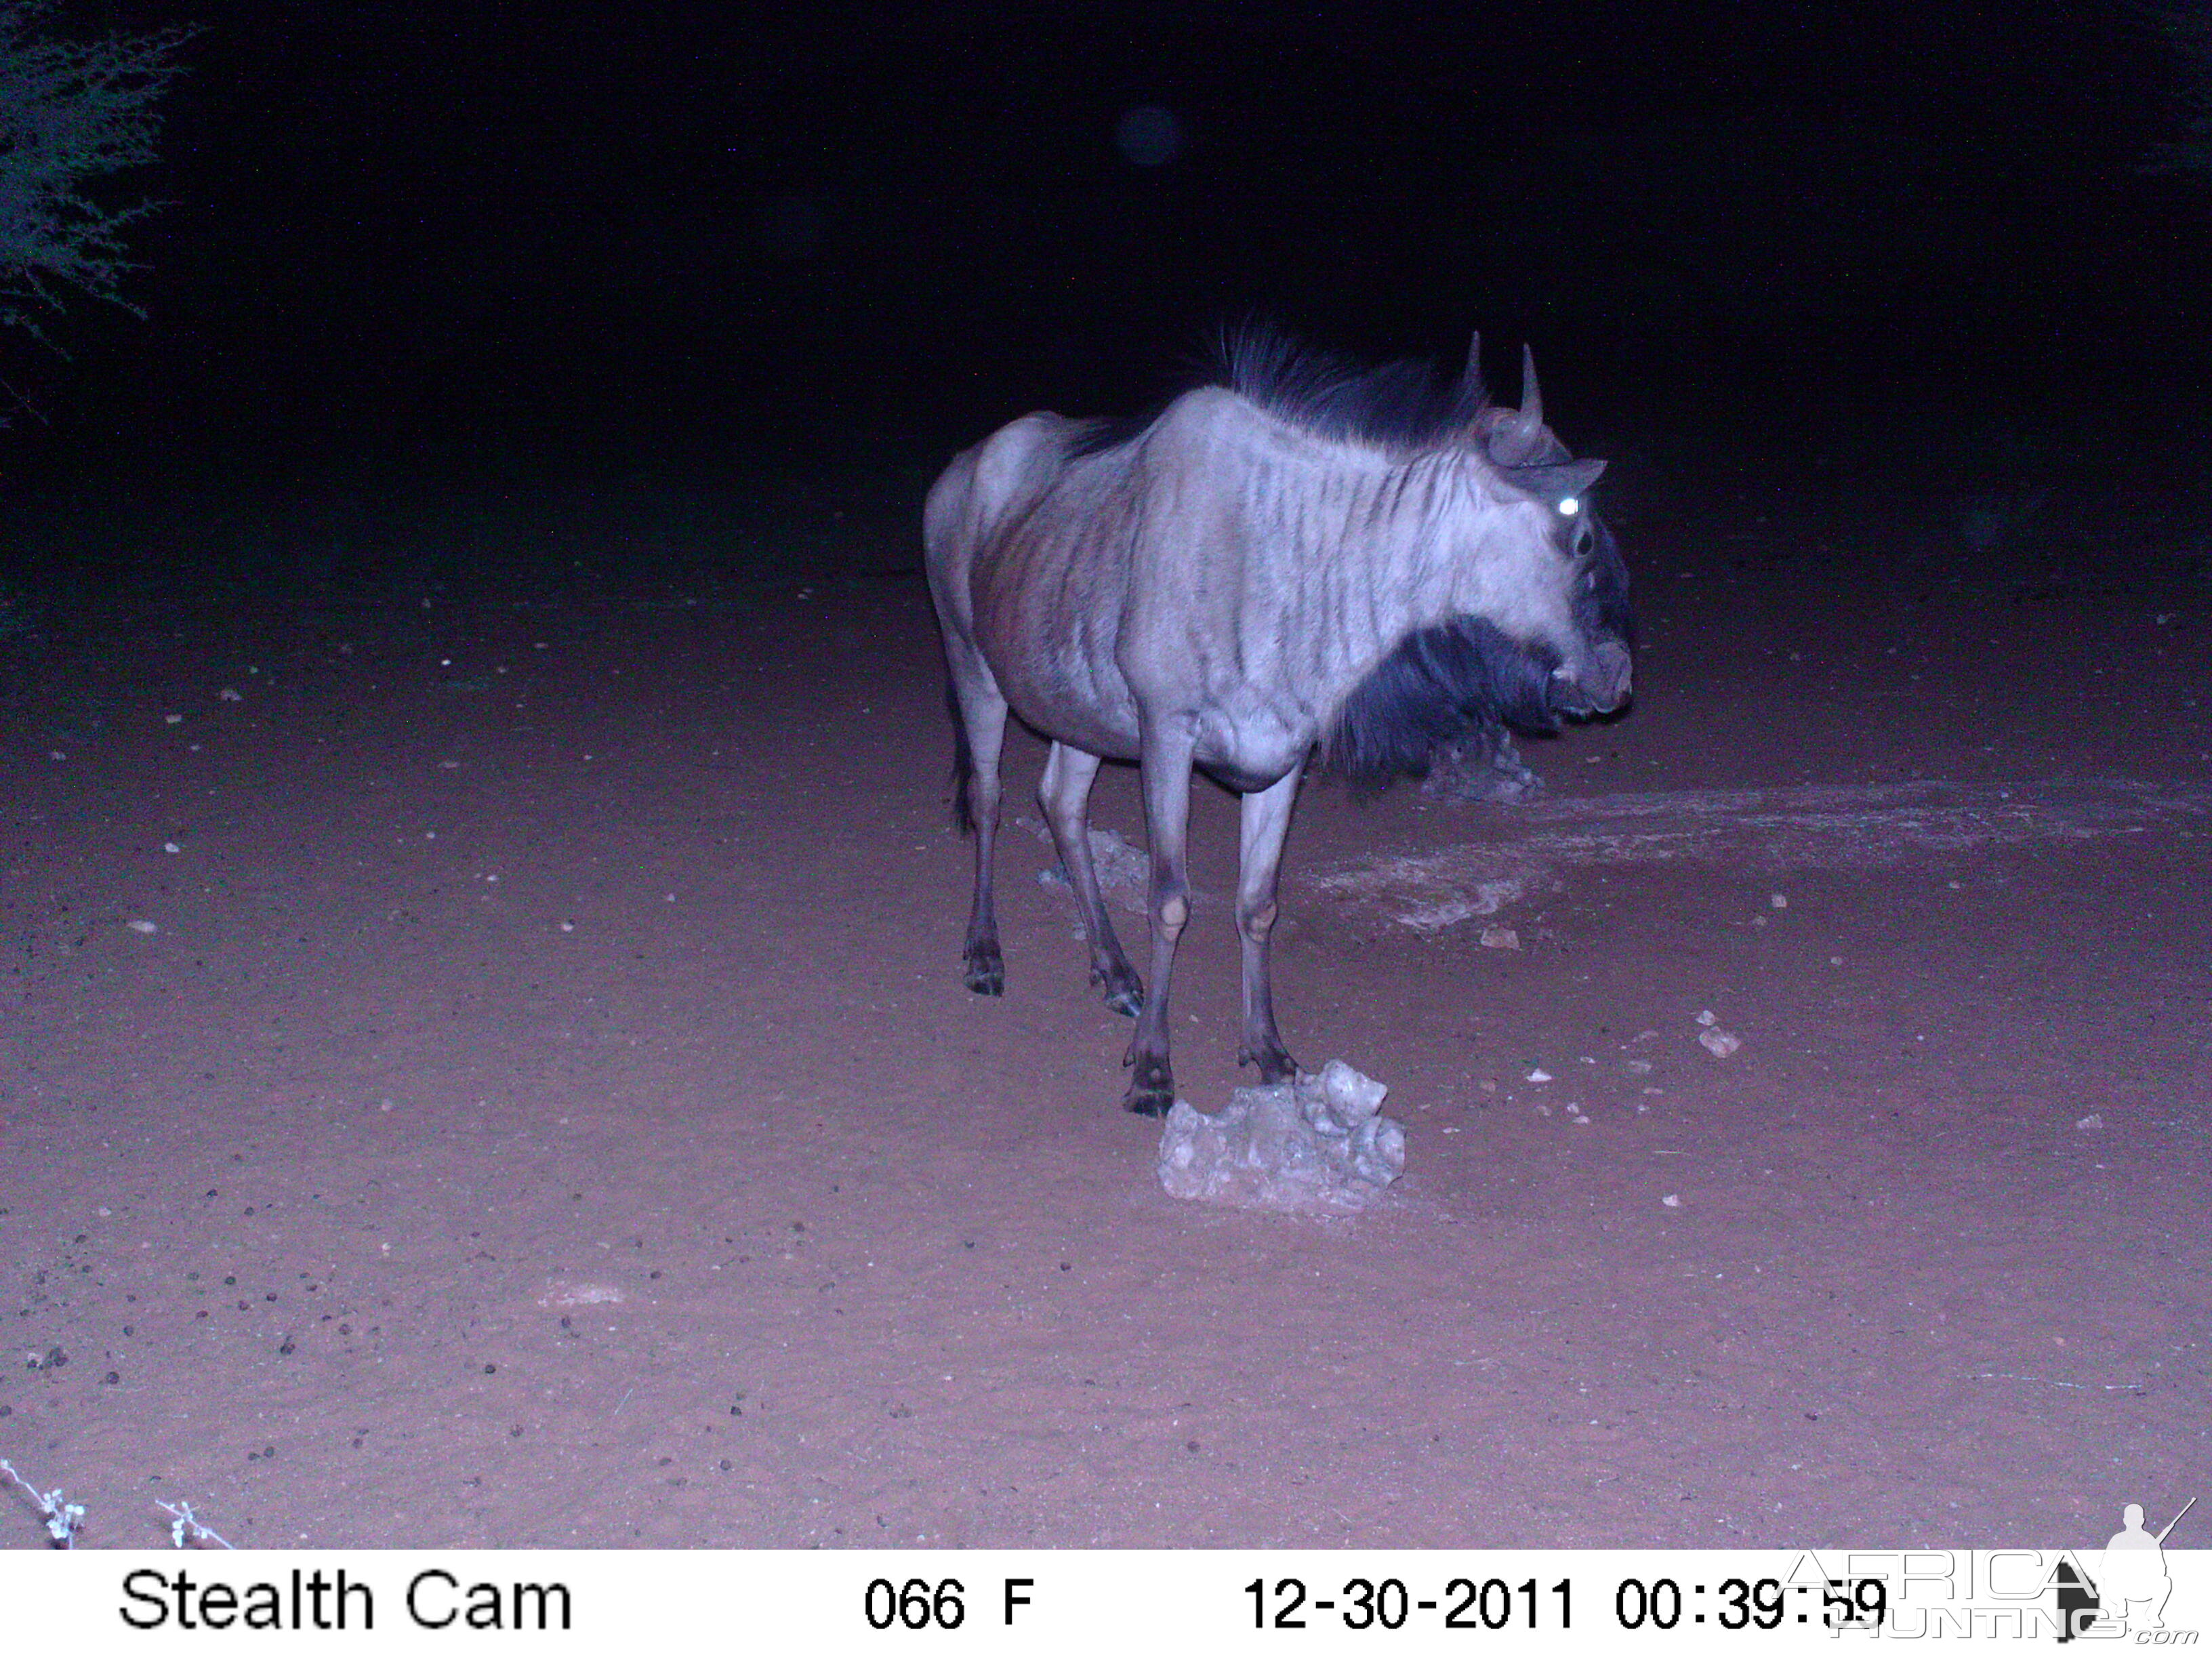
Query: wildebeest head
{"points": [[1593, 673], [1544, 633]]}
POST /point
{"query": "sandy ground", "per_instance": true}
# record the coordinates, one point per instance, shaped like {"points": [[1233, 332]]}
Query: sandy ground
{"points": [[545, 1110]]}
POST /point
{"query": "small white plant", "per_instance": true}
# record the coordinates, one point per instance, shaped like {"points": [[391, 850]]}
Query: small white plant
{"points": [[186, 1524], [62, 1519]]}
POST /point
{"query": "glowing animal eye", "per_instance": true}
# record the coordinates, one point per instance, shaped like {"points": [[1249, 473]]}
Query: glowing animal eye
{"points": [[1570, 506]]}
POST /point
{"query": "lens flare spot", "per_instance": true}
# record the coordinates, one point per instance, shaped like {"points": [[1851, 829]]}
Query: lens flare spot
{"points": [[1148, 135]]}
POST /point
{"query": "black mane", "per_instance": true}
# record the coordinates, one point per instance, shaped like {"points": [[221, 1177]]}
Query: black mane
{"points": [[1403, 407], [1400, 406]]}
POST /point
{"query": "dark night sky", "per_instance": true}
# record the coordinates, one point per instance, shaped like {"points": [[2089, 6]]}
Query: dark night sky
{"points": [[484, 228]]}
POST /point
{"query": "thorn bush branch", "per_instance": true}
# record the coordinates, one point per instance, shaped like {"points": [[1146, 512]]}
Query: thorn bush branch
{"points": [[71, 113]]}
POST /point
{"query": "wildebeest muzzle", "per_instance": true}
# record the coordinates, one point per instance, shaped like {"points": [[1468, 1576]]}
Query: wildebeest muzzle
{"points": [[1601, 683]]}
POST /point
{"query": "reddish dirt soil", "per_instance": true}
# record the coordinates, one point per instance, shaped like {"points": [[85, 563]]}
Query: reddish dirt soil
{"points": [[547, 1112]]}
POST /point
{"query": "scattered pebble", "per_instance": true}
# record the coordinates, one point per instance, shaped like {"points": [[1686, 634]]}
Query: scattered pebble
{"points": [[171, 847], [1779, 901], [1673, 1201], [1540, 1075], [172, 720], [229, 696], [1500, 939], [1641, 1068], [2094, 1120], [577, 1293], [1719, 1043], [143, 928], [1707, 1017]]}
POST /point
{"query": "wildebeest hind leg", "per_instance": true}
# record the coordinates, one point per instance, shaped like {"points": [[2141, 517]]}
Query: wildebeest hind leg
{"points": [[981, 712], [1065, 795], [1266, 819]]}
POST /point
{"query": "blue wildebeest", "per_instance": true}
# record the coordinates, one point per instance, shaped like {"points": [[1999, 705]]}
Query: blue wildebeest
{"points": [[1300, 555]]}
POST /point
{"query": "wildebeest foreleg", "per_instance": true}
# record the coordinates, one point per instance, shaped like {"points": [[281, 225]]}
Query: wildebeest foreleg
{"points": [[1164, 767], [1265, 821], [1066, 796]]}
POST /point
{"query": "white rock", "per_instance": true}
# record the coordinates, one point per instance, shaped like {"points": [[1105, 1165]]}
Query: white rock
{"points": [[1673, 1201], [1495, 937], [1540, 1075], [2094, 1120], [143, 927], [1707, 1017], [1317, 1145], [1719, 1043]]}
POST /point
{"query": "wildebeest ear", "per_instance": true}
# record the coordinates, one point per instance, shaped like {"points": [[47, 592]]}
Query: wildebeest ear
{"points": [[1559, 482]]}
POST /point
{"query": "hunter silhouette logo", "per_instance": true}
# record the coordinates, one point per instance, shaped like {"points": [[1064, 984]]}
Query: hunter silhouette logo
{"points": [[2132, 1584]]}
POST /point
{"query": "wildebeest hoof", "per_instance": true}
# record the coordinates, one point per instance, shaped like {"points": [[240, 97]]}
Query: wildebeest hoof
{"points": [[1148, 1103], [985, 974], [1124, 991], [1151, 1092], [1275, 1066]]}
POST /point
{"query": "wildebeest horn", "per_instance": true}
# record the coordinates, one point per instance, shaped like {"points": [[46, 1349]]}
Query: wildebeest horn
{"points": [[1531, 400], [1472, 380]]}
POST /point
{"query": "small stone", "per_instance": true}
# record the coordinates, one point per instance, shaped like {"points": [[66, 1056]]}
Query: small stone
{"points": [[1673, 1201], [1500, 939], [1641, 1068], [143, 927], [1719, 1043], [1707, 1017], [1540, 1075], [1779, 901], [2094, 1120]]}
